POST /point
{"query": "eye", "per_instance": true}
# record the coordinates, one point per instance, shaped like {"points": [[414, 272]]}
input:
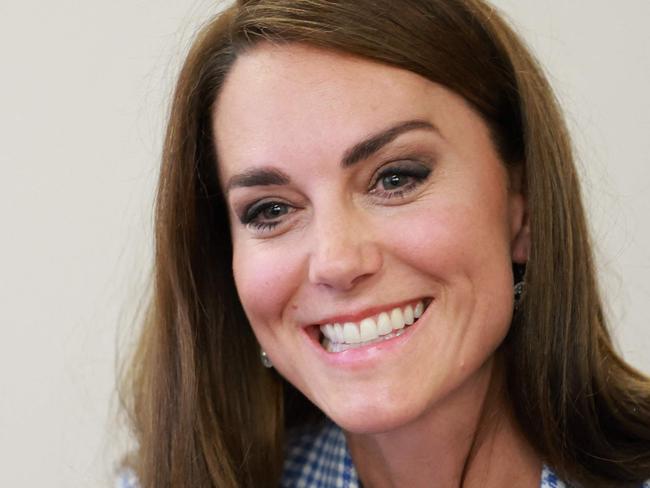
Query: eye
{"points": [[265, 215], [394, 180], [398, 179], [273, 211]]}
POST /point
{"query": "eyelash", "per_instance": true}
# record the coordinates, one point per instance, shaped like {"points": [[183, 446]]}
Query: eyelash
{"points": [[417, 173], [254, 211]]}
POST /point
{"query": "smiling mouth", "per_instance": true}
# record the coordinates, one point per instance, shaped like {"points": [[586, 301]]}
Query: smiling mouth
{"points": [[339, 337]]}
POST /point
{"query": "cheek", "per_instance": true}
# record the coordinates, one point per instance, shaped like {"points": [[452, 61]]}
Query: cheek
{"points": [[456, 236], [266, 277], [464, 248]]}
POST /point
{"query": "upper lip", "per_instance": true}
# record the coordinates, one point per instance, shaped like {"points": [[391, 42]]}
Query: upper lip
{"points": [[369, 312]]}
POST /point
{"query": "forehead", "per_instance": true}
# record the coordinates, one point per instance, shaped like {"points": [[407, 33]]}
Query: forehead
{"points": [[293, 100], [325, 78]]}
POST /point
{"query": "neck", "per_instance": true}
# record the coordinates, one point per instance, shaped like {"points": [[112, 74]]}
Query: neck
{"points": [[470, 439]]}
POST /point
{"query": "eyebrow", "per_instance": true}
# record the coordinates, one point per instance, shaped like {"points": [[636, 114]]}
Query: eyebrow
{"points": [[258, 177], [359, 152], [365, 149]]}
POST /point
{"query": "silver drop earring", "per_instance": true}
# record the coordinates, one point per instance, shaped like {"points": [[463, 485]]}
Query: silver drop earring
{"points": [[266, 360], [519, 272]]}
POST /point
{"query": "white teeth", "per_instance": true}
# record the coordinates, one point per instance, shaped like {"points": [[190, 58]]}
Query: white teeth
{"points": [[351, 333], [338, 333], [408, 315], [368, 330], [328, 331], [371, 328], [384, 325], [397, 318]]}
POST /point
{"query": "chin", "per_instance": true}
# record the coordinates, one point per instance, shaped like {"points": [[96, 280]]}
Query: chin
{"points": [[372, 424], [376, 417]]}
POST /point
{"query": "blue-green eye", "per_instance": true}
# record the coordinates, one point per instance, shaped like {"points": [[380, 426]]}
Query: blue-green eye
{"points": [[400, 178], [273, 211], [394, 180], [265, 215]]}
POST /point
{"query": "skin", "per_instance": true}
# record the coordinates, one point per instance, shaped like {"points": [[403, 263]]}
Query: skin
{"points": [[425, 409]]}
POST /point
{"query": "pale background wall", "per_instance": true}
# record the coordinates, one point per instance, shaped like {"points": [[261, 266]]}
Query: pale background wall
{"points": [[83, 90]]}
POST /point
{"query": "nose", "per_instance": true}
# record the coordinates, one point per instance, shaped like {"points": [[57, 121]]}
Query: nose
{"points": [[344, 252]]}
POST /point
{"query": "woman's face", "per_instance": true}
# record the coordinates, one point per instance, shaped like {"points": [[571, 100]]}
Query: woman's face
{"points": [[363, 196]]}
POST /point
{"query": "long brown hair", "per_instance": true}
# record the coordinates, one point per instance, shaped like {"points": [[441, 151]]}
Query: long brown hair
{"points": [[204, 410]]}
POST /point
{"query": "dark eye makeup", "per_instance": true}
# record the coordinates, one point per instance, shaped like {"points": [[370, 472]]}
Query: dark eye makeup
{"points": [[393, 180], [265, 213], [399, 178]]}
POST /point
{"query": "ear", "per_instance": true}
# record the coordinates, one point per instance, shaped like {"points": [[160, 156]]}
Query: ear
{"points": [[518, 214]]}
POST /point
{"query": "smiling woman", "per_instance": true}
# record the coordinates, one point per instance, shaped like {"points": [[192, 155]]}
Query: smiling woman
{"points": [[359, 191], [387, 186]]}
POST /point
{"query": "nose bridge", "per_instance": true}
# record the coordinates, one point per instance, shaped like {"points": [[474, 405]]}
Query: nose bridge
{"points": [[343, 249]]}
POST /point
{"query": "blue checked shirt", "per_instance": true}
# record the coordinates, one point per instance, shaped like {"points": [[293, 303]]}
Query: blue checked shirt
{"points": [[318, 457]]}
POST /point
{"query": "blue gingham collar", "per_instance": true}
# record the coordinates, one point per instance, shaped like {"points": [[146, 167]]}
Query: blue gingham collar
{"points": [[318, 456]]}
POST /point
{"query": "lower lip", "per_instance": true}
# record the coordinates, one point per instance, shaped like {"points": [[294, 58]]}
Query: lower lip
{"points": [[364, 356]]}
